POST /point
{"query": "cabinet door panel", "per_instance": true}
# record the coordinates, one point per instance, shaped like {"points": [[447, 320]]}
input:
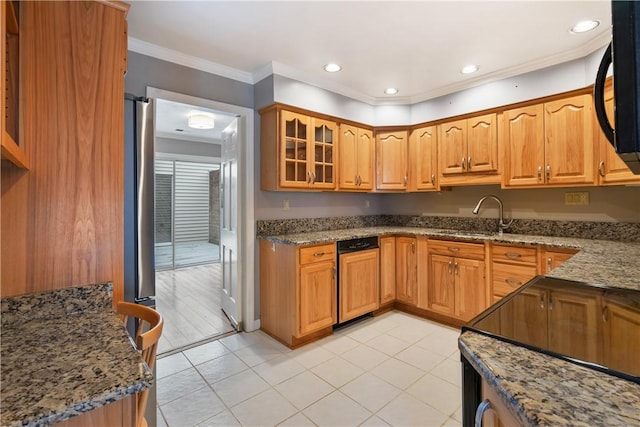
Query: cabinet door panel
{"points": [[406, 269], [441, 282], [359, 283], [321, 153], [392, 161], [524, 146], [572, 325], [569, 146], [482, 144], [348, 159], [453, 142], [469, 288], [423, 159], [527, 317], [387, 269], [294, 129], [622, 333], [366, 148], [317, 297]]}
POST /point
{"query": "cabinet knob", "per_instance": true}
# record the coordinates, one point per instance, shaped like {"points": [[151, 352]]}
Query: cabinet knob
{"points": [[601, 169], [482, 408], [468, 162], [450, 265], [456, 271], [548, 264], [548, 172], [406, 179], [433, 179], [462, 162], [539, 172]]}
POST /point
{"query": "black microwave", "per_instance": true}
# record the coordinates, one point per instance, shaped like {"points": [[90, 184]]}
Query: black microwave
{"points": [[624, 54]]}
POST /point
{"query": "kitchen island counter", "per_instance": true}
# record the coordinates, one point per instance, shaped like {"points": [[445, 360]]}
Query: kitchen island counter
{"points": [[64, 353]]}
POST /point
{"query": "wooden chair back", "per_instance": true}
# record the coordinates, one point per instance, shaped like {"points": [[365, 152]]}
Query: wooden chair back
{"points": [[147, 335]]}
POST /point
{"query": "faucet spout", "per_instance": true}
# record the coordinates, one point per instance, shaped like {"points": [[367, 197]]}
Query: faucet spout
{"points": [[501, 224]]}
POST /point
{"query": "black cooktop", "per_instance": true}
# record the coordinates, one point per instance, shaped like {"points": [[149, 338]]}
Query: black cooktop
{"points": [[597, 327]]}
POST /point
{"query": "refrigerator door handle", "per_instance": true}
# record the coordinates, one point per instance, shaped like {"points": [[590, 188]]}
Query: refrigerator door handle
{"points": [[145, 194]]}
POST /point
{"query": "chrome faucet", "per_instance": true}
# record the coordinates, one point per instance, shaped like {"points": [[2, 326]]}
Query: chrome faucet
{"points": [[501, 224]]}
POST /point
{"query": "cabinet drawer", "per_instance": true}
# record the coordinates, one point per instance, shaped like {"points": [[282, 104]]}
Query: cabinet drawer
{"points": [[507, 277], [457, 249], [515, 254], [318, 253]]}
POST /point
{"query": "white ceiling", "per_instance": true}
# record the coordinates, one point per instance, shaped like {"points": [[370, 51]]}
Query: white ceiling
{"points": [[416, 46], [171, 122]]}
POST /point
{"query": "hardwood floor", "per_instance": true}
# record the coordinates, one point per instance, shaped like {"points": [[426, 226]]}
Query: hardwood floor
{"points": [[189, 300]]}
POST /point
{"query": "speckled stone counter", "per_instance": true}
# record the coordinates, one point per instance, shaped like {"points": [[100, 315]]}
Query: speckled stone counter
{"points": [[64, 353], [540, 390], [599, 262]]}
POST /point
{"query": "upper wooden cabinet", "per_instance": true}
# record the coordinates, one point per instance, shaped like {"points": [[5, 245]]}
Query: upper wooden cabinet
{"points": [[355, 164], [12, 146], [611, 169], [469, 147], [423, 159], [392, 160], [549, 144], [302, 149]]}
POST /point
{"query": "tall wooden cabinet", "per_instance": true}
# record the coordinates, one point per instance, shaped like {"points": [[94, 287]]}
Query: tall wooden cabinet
{"points": [[62, 221], [406, 270], [387, 269], [392, 171], [550, 144], [355, 165]]}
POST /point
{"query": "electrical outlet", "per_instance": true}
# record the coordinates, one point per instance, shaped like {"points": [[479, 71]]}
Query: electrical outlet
{"points": [[367, 204], [285, 205], [576, 198]]}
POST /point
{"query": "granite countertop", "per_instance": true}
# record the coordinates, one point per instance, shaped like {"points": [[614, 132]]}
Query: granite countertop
{"points": [[598, 262], [541, 390], [538, 389], [64, 353]]}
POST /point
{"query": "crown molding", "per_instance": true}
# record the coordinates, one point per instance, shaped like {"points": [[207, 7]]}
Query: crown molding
{"points": [[280, 69], [170, 55]]}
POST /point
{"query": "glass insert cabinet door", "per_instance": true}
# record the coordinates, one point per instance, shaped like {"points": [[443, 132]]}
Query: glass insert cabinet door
{"points": [[307, 151]]}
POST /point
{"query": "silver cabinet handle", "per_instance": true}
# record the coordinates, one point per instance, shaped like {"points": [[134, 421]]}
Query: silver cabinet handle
{"points": [[548, 264], [601, 169], [468, 162], [406, 179], [433, 179], [542, 301], [413, 247], [455, 269], [550, 302], [539, 172], [605, 313], [548, 172], [359, 180], [449, 266], [513, 282], [463, 163], [308, 177], [313, 177], [482, 408], [318, 254], [512, 255], [453, 249]]}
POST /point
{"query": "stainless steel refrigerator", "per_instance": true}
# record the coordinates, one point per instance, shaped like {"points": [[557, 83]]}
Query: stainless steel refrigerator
{"points": [[139, 215]]}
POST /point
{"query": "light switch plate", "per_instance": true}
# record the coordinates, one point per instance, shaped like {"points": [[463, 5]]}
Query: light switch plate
{"points": [[576, 198]]}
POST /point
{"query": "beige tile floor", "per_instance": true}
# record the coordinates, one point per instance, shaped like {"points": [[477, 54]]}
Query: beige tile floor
{"points": [[395, 369]]}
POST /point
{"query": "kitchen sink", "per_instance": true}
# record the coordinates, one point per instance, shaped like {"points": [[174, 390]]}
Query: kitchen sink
{"points": [[470, 233]]}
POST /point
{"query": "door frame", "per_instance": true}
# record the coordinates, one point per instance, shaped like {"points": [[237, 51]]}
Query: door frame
{"points": [[246, 180]]}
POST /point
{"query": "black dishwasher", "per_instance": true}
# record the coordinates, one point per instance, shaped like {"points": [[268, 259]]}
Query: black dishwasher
{"points": [[358, 278]]}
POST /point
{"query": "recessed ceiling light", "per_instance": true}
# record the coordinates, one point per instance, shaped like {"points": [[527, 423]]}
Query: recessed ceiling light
{"points": [[200, 121], [391, 91], [468, 69], [584, 26], [332, 68]]}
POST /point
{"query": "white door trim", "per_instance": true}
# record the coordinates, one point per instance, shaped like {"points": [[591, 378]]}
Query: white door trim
{"points": [[246, 221]]}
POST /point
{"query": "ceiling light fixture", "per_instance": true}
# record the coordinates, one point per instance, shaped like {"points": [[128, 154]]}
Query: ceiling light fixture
{"points": [[468, 69], [391, 91], [584, 26], [332, 68], [200, 121]]}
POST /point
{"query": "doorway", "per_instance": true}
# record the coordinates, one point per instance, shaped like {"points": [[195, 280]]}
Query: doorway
{"points": [[192, 274]]}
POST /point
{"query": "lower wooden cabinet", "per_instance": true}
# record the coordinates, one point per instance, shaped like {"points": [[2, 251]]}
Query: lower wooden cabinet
{"points": [[511, 267], [552, 258], [492, 412], [359, 283], [457, 279], [620, 330], [298, 291]]}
